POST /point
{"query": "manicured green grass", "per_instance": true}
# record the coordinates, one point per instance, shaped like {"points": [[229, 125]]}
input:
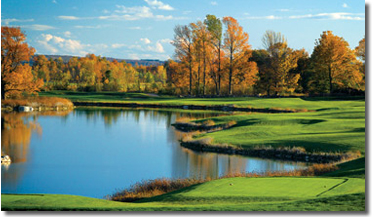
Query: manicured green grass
{"points": [[354, 169], [254, 102], [322, 131], [271, 194], [340, 193]]}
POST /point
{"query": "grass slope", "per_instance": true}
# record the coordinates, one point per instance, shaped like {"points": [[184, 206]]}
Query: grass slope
{"points": [[341, 193], [326, 131], [244, 194]]}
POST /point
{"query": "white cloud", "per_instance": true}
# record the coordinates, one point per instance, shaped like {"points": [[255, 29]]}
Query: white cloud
{"points": [[158, 48], [213, 3], [159, 5], [345, 5], [134, 13], [91, 27], [331, 16], [186, 12], [67, 34], [283, 10], [162, 17], [12, 20], [69, 18], [58, 45], [38, 27], [270, 17], [135, 27], [137, 56], [118, 45], [54, 1], [145, 40], [165, 41], [131, 13]]}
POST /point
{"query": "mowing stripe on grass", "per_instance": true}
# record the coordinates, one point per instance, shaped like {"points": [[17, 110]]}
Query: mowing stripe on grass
{"points": [[335, 186]]}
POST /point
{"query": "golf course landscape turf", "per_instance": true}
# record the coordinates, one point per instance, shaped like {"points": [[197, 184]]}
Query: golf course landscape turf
{"points": [[331, 125], [228, 194]]}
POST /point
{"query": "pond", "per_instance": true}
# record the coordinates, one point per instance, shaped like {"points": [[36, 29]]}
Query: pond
{"points": [[94, 152]]}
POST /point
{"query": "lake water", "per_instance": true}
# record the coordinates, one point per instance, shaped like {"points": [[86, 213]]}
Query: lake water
{"points": [[94, 152]]}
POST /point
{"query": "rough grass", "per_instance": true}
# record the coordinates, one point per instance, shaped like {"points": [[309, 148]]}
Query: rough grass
{"points": [[37, 102]]}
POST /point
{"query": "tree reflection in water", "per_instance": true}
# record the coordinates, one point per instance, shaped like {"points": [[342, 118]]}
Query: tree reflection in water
{"points": [[16, 131]]}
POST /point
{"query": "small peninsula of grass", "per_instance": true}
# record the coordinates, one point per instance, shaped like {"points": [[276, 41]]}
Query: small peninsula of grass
{"points": [[331, 130]]}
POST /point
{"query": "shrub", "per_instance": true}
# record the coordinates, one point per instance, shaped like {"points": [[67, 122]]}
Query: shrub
{"points": [[150, 188], [208, 123]]}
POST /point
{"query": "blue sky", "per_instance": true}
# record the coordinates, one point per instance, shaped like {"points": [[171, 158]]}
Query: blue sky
{"points": [[143, 29]]}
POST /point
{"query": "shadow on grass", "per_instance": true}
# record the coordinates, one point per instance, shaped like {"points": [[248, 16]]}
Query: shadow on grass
{"points": [[334, 98]]}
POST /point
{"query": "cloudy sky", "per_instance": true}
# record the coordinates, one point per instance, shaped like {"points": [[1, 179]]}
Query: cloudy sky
{"points": [[143, 29]]}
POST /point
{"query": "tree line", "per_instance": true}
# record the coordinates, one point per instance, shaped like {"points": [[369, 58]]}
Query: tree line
{"points": [[212, 57], [94, 73]]}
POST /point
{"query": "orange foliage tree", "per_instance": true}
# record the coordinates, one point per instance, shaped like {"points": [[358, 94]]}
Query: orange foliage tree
{"points": [[238, 51], [16, 75], [334, 63], [236, 46]]}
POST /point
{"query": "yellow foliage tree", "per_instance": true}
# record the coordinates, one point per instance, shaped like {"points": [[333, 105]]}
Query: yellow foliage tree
{"points": [[16, 76], [335, 62]]}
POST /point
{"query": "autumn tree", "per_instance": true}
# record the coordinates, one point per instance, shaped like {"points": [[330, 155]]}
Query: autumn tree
{"points": [[41, 68], [271, 38], [183, 42], [235, 44], [176, 79], [360, 49], [360, 53], [202, 41], [16, 75], [214, 26], [334, 63], [278, 65], [246, 74]]}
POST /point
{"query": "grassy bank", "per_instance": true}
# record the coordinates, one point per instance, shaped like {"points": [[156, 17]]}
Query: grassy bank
{"points": [[330, 130], [314, 103], [38, 103], [341, 190]]}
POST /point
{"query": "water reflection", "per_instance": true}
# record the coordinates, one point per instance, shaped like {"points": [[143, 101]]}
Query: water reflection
{"points": [[16, 133], [92, 152]]}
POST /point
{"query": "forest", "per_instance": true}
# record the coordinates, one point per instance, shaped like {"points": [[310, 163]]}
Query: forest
{"points": [[212, 58]]}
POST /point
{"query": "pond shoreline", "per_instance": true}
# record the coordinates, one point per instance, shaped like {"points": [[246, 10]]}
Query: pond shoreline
{"points": [[298, 154], [189, 107], [271, 153]]}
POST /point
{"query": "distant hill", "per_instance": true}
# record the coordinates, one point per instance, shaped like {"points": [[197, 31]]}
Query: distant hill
{"points": [[143, 62]]}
